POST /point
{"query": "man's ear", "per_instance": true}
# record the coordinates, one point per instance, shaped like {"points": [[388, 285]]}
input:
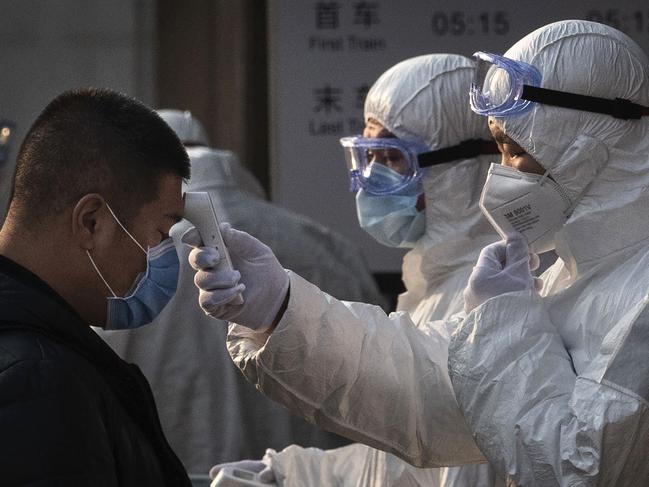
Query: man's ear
{"points": [[87, 220]]}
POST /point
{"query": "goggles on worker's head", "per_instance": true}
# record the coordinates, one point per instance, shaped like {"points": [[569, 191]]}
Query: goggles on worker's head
{"points": [[6, 132], [504, 87], [368, 159]]}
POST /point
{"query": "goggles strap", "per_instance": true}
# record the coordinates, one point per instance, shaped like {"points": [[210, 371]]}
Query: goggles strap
{"points": [[464, 150], [618, 108]]}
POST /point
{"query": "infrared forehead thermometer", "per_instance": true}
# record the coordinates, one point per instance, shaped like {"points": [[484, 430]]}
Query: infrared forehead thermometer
{"points": [[199, 210]]}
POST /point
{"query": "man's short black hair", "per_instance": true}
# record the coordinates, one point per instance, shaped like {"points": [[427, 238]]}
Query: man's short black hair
{"points": [[94, 141]]}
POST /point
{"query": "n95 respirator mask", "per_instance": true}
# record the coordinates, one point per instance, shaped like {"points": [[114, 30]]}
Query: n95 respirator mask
{"points": [[533, 205]]}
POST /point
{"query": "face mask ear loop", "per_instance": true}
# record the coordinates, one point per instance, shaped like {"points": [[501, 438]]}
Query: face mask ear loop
{"points": [[124, 228], [92, 261]]}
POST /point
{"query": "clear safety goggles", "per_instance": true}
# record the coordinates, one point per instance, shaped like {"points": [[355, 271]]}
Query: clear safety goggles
{"points": [[504, 87], [382, 166], [7, 129]]}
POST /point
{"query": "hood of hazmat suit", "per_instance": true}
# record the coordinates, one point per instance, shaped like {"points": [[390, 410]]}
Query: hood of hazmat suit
{"points": [[555, 387], [191, 132], [189, 129], [210, 414], [342, 364], [426, 98]]}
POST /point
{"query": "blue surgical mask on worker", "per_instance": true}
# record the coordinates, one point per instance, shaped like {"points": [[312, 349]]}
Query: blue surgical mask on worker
{"points": [[151, 290], [391, 219]]}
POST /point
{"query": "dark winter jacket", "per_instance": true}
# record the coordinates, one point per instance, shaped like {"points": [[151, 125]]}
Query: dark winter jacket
{"points": [[72, 413]]}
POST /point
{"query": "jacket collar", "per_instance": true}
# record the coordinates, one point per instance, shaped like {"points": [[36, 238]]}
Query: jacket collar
{"points": [[28, 302]]}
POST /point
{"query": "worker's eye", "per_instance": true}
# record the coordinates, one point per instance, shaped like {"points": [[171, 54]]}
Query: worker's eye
{"points": [[376, 155]]}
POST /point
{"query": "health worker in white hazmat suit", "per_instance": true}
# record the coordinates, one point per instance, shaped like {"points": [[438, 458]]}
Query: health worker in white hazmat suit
{"points": [[423, 101], [555, 387], [380, 380]]}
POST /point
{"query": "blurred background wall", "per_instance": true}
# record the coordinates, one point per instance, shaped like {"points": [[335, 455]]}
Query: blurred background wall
{"points": [[211, 59]]}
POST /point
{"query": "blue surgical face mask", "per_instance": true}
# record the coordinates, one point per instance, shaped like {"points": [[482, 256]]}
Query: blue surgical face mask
{"points": [[392, 219], [150, 292]]}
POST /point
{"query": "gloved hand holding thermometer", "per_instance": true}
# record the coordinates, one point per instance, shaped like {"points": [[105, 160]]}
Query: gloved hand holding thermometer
{"points": [[255, 273], [502, 267], [200, 211], [245, 473]]}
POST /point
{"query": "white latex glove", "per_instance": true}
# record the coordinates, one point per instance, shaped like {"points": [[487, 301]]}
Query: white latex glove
{"points": [[263, 472], [264, 283], [503, 267]]}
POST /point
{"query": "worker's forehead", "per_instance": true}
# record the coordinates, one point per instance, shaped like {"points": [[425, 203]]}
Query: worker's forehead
{"points": [[375, 130]]}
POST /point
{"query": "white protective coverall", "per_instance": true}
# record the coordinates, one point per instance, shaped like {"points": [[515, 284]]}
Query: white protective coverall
{"points": [[208, 411], [556, 388], [379, 379]]}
